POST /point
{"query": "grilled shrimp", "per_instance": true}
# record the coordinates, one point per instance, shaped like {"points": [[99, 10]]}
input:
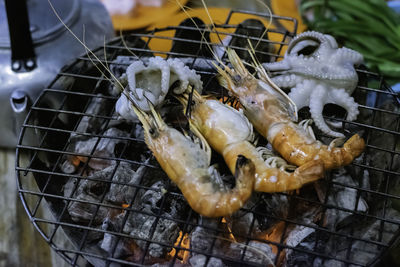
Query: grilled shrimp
{"points": [[229, 133], [187, 164], [265, 108]]}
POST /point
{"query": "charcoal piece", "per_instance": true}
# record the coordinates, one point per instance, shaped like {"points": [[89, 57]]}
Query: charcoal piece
{"points": [[87, 191], [299, 237], [151, 198], [276, 205], [200, 260], [105, 148], [343, 197], [202, 237], [118, 67], [144, 225], [385, 140], [189, 40], [243, 223], [166, 231], [318, 262], [110, 240], [139, 132], [67, 166], [362, 252], [256, 29], [89, 124], [256, 252], [122, 193], [92, 191]]}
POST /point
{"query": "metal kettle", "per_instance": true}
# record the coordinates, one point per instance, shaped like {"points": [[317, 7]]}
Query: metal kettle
{"points": [[35, 45]]}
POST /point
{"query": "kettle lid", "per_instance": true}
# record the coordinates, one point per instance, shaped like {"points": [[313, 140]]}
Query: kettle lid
{"points": [[44, 24]]}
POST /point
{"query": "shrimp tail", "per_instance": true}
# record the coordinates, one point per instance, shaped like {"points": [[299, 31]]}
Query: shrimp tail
{"points": [[275, 180], [353, 148], [223, 203]]}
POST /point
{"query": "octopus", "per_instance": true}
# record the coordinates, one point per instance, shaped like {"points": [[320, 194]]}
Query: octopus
{"points": [[148, 84], [318, 72]]}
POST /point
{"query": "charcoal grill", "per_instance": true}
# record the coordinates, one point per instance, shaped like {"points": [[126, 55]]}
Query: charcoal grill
{"points": [[360, 239]]}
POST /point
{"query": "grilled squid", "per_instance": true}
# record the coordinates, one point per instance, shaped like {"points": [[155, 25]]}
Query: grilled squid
{"points": [[266, 109], [230, 133], [187, 164]]}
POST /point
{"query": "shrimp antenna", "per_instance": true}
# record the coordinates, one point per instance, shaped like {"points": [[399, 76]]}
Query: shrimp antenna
{"points": [[202, 32], [156, 115], [105, 51], [83, 44], [269, 23], [264, 76], [96, 57], [211, 20], [126, 45], [91, 60]]}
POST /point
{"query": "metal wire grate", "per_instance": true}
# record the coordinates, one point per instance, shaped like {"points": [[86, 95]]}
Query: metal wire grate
{"points": [[53, 123]]}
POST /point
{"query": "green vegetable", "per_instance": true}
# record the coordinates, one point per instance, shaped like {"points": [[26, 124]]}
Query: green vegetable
{"points": [[368, 26]]}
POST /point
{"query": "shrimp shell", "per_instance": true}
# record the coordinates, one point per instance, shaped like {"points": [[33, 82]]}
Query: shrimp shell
{"points": [[187, 165], [229, 132], [269, 114]]}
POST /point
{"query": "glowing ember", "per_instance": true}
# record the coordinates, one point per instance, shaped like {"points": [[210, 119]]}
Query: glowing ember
{"points": [[275, 235], [231, 236], [183, 244]]}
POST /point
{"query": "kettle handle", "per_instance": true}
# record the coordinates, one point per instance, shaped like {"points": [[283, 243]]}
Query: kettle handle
{"points": [[22, 53]]}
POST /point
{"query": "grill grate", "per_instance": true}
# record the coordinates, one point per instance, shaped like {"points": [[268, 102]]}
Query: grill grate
{"points": [[53, 121]]}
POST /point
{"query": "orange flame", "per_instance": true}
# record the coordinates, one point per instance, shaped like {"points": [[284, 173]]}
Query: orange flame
{"points": [[183, 254]]}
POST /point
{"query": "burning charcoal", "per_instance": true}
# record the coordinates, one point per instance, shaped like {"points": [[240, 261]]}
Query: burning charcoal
{"points": [[256, 252], [200, 260], [343, 197], [122, 193], [105, 148]]}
